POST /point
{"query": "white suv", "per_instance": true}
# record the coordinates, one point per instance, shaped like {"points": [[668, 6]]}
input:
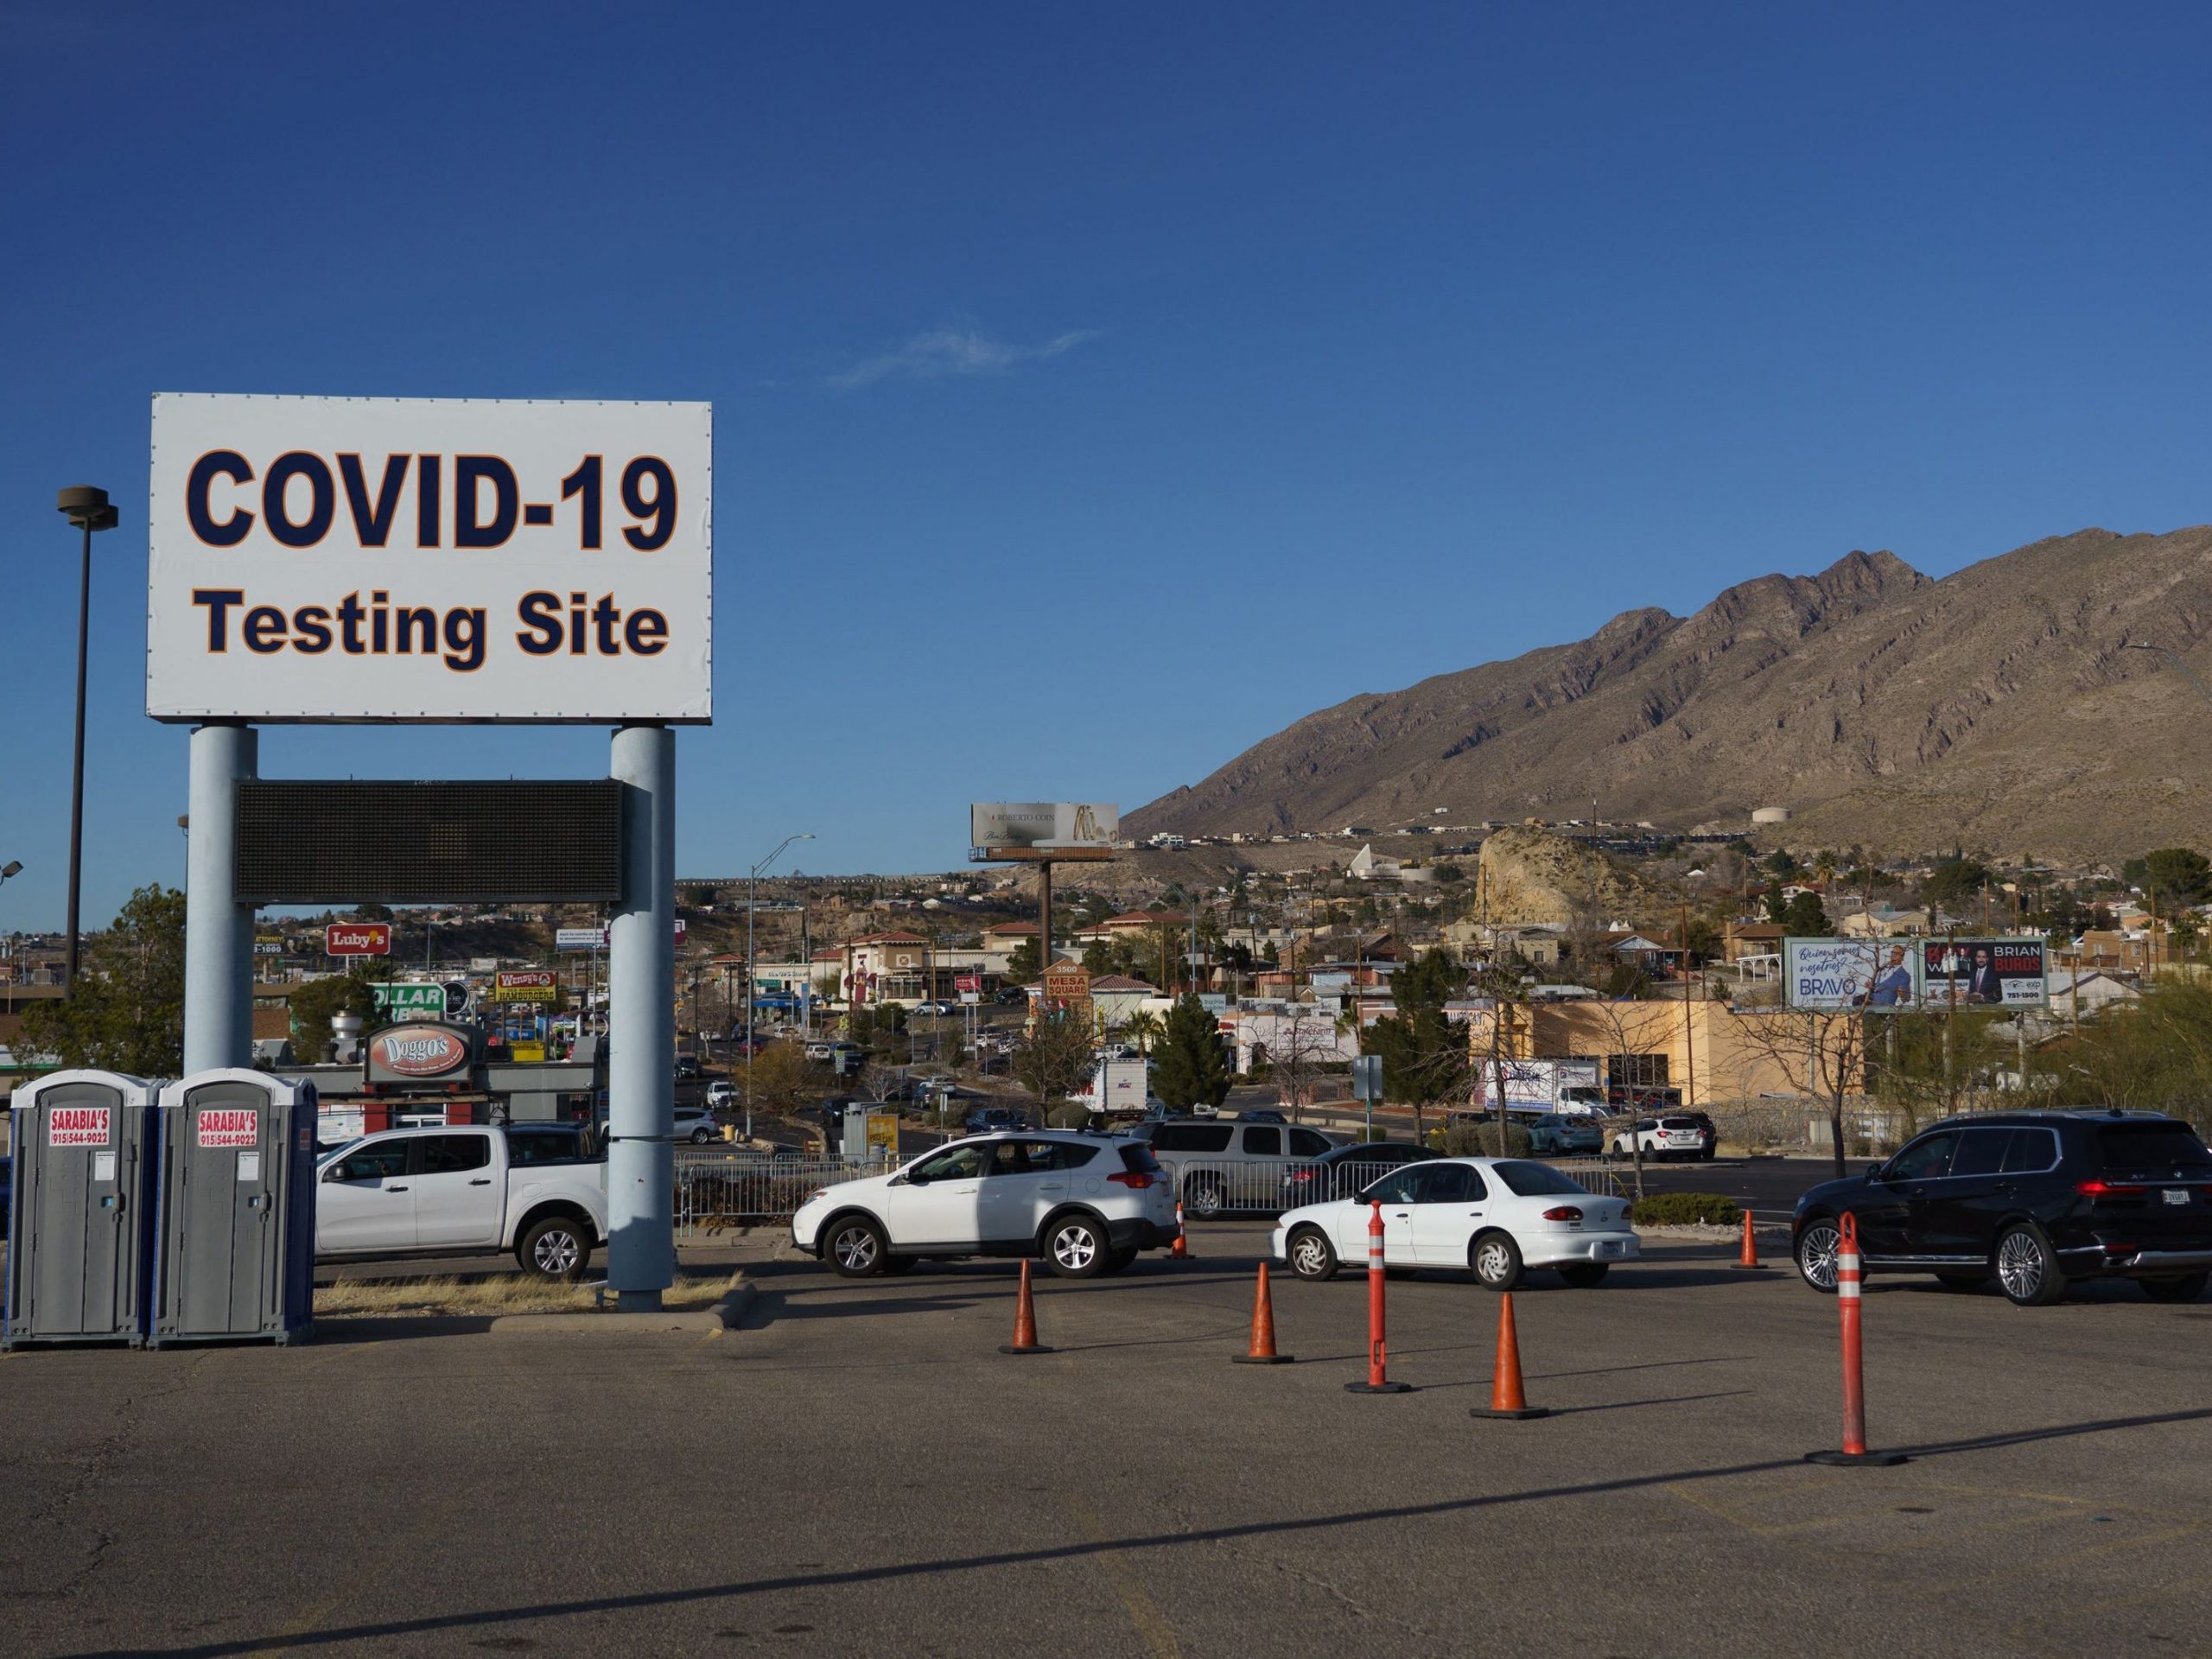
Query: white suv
{"points": [[1087, 1203]]}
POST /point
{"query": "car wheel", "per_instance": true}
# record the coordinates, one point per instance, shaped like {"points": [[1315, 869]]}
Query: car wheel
{"points": [[855, 1247], [1075, 1247], [1584, 1275], [1819, 1248], [556, 1248], [1495, 1260], [700, 1137], [2187, 1288], [2027, 1267], [1311, 1257], [1205, 1199], [1960, 1281]]}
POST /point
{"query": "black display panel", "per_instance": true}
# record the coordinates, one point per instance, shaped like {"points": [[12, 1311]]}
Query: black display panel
{"points": [[302, 842]]}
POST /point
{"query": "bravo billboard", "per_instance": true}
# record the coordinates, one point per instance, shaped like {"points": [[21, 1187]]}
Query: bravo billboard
{"points": [[414, 559]]}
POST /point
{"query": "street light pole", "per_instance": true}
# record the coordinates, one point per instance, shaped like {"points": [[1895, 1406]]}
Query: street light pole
{"points": [[752, 900], [87, 507]]}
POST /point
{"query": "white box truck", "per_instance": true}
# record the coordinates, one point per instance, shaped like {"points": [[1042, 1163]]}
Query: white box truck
{"points": [[1121, 1088]]}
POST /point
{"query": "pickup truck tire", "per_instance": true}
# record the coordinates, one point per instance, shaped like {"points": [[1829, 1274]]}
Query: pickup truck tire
{"points": [[555, 1247]]}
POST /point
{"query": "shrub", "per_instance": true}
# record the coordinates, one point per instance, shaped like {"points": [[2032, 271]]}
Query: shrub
{"points": [[1480, 1141], [1067, 1114], [1685, 1209]]}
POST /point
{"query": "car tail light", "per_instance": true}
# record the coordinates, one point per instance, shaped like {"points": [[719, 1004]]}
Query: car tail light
{"points": [[1563, 1212], [2105, 1189], [1136, 1178], [1300, 1175]]}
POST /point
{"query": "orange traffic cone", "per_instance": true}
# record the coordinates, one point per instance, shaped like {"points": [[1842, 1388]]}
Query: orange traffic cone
{"points": [[1750, 1259], [1024, 1322], [1506, 1399], [1182, 1247], [1263, 1330]]}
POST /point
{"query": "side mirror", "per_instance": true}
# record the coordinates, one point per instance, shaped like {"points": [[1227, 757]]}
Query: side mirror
{"points": [[1873, 1172]]}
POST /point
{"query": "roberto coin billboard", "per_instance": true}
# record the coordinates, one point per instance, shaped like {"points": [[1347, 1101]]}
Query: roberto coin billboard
{"points": [[411, 559]]}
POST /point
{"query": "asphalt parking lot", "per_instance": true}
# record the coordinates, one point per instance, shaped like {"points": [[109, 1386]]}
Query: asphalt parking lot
{"points": [[857, 1469]]}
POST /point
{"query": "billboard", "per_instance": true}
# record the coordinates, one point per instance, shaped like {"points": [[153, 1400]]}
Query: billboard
{"points": [[1841, 974], [526, 985], [1984, 973], [1828, 975], [357, 939], [420, 559], [1043, 825]]}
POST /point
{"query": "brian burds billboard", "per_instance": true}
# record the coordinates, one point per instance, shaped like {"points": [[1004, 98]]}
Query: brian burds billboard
{"points": [[381, 559]]}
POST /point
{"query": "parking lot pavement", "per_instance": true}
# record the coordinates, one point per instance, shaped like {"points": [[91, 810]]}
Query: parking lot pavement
{"points": [[858, 1470]]}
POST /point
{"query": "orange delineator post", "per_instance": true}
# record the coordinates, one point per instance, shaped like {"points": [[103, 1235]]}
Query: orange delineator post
{"points": [[1181, 1248], [1507, 1398], [1264, 1329], [1750, 1258], [1377, 1350], [1847, 1281], [1024, 1322]]}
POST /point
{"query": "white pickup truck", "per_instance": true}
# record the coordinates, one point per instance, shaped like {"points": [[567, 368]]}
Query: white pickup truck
{"points": [[534, 1189]]}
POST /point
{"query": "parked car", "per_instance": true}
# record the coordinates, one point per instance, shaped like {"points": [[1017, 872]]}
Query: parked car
{"points": [[1087, 1203], [722, 1093], [938, 1005], [1494, 1216], [537, 1190], [1678, 1134], [1227, 1164], [688, 1069], [697, 1124], [986, 1120], [2032, 1200], [1011, 996], [1555, 1135], [1262, 1115], [1343, 1171]]}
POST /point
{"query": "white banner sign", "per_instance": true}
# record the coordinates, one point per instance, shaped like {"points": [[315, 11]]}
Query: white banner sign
{"points": [[364, 558], [1043, 823]]}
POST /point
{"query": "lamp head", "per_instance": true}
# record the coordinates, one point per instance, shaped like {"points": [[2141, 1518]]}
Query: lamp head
{"points": [[13, 866], [85, 505]]}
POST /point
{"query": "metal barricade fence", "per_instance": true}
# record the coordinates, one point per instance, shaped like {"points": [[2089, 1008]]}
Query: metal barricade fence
{"points": [[718, 1195], [1210, 1187]]}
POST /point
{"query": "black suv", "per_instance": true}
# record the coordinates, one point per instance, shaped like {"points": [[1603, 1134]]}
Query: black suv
{"points": [[2030, 1199]]}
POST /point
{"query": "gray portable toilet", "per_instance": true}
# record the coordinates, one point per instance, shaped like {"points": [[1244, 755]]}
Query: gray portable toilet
{"points": [[80, 1214], [235, 1233]]}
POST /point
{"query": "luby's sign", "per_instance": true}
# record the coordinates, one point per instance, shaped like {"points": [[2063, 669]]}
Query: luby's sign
{"points": [[77, 1125], [418, 1049], [357, 939], [229, 1126]]}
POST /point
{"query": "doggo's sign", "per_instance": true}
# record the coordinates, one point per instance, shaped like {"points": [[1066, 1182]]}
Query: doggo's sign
{"points": [[357, 559]]}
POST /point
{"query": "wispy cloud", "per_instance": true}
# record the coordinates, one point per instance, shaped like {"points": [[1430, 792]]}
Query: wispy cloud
{"points": [[945, 352]]}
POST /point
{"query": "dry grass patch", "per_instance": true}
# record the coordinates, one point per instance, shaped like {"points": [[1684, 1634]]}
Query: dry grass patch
{"points": [[495, 1295]]}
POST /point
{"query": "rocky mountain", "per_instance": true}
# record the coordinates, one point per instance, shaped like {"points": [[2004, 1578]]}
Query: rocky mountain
{"points": [[1997, 706]]}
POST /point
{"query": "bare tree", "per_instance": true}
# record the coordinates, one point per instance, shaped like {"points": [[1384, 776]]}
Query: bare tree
{"points": [[1827, 1053]]}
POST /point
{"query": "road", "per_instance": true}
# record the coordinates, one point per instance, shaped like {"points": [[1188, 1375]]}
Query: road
{"points": [[858, 1469]]}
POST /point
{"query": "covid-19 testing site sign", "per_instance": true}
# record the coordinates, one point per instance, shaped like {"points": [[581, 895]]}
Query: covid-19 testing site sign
{"points": [[414, 559]]}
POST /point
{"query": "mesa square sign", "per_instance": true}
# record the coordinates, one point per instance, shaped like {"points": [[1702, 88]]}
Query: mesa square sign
{"points": [[411, 559]]}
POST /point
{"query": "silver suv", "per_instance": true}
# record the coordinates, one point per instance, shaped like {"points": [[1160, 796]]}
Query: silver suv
{"points": [[1230, 1165]]}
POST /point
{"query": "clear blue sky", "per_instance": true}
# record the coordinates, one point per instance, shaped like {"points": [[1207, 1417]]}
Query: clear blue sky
{"points": [[1098, 390]]}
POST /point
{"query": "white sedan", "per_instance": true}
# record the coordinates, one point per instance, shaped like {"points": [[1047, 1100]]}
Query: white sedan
{"points": [[1494, 1216]]}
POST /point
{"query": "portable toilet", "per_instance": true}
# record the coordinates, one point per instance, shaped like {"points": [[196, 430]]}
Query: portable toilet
{"points": [[234, 1231], [80, 1210]]}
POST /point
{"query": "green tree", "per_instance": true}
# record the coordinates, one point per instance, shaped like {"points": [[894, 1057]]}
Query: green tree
{"points": [[1424, 1054], [2177, 878], [1191, 1067], [1143, 1029], [126, 1010], [1954, 880], [1805, 917], [1022, 965], [372, 913], [317, 1001]]}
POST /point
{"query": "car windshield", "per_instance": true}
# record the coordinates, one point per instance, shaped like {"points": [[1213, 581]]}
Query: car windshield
{"points": [[1533, 1180], [2151, 1146]]}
